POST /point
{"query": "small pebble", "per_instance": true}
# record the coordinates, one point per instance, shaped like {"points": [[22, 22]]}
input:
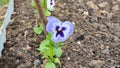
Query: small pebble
{"points": [[37, 62], [28, 47], [103, 13], [91, 20], [96, 63], [106, 50], [23, 21], [78, 42], [73, 22], [95, 52], [103, 4], [117, 66], [81, 37], [92, 5], [115, 8], [31, 44], [68, 58], [85, 13], [102, 57], [22, 33], [102, 46], [26, 33]]}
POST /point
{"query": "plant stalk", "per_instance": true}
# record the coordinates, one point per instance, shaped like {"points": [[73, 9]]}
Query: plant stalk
{"points": [[41, 13]]}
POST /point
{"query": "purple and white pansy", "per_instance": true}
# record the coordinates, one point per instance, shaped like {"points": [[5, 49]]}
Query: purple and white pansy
{"points": [[50, 5], [61, 30]]}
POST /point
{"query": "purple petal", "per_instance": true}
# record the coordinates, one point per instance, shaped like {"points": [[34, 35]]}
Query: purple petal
{"points": [[60, 33], [50, 5], [58, 38], [57, 27], [52, 23], [63, 28], [69, 27]]}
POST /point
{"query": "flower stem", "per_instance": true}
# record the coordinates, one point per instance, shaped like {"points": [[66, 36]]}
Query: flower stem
{"points": [[41, 13]]}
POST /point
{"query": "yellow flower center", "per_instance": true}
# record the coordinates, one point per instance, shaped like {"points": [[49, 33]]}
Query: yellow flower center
{"points": [[59, 29]]}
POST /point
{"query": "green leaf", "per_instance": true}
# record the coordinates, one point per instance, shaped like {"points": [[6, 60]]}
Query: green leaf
{"points": [[33, 4], [45, 42], [4, 2], [39, 30], [57, 60], [58, 51], [60, 44], [1, 23], [44, 3], [47, 13], [43, 45], [51, 53], [44, 49], [49, 37], [36, 11], [50, 65]]}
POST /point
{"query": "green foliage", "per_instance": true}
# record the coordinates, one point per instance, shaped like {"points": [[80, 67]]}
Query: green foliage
{"points": [[43, 49], [3, 2], [39, 30], [58, 51], [49, 50], [0, 23], [57, 61], [50, 65], [47, 13], [33, 4], [44, 5]]}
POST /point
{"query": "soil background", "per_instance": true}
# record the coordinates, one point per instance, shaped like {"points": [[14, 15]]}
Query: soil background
{"points": [[94, 44]]}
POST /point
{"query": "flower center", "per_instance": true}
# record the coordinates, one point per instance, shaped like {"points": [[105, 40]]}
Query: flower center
{"points": [[60, 31]]}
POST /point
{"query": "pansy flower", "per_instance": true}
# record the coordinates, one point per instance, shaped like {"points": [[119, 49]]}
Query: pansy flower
{"points": [[50, 5], [61, 30]]}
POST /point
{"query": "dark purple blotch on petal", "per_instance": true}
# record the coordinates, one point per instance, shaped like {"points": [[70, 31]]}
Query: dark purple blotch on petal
{"points": [[60, 31], [63, 28], [51, 3], [57, 27]]}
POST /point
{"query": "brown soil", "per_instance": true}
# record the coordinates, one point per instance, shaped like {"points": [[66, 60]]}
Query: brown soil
{"points": [[94, 44], [3, 10]]}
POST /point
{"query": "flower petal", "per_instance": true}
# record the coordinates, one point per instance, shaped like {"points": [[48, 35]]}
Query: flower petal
{"points": [[50, 5], [60, 33], [63, 28], [69, 27], [57, 27], [52, 23], [58, 38]]}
